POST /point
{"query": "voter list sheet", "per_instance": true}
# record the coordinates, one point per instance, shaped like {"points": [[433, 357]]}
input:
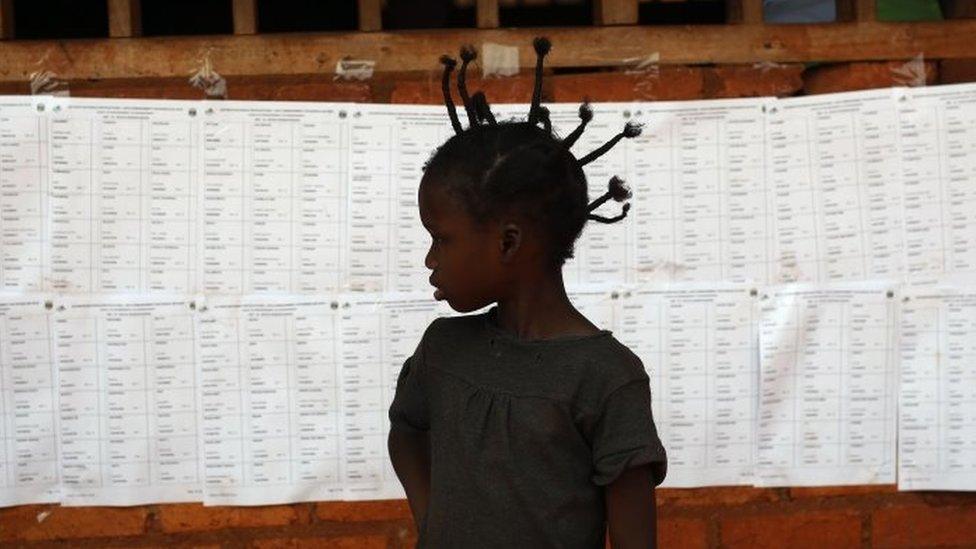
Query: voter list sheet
{"points": [[295, 394], [828, 384], [127, 412], [937, 401]]}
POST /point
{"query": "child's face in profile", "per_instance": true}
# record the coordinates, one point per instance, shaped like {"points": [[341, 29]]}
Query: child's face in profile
{"points": [[463, 255]]}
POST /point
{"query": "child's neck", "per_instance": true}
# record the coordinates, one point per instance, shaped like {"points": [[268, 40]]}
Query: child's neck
{"points": [[538, 308]]}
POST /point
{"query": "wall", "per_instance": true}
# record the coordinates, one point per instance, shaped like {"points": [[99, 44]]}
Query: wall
{"points": [[860, 516]]}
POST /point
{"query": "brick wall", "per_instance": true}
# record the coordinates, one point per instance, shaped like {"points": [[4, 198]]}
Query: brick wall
{"points": [[860, 516]]}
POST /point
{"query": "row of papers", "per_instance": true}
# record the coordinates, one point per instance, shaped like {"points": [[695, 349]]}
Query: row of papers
{"points": [[122, 399], [237, 198]]}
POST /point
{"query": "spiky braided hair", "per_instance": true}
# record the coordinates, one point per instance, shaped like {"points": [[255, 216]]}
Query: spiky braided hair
{"points": [[521, 167]]}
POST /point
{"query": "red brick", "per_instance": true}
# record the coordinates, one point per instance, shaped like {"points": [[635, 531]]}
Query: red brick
{"points": [[344, 542], [195, 517], [407, 537], [726, 495], [838, 491], [752, 81], [426, 90], [21, 523], [862, 76], [390, 509], [135, 90], [317, 88], [682, 533], [667, 82], [918, 526], [797, 530], [953, 71]]}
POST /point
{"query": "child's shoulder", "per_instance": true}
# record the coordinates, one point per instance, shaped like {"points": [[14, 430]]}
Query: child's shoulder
{"points": [[589, 366]]}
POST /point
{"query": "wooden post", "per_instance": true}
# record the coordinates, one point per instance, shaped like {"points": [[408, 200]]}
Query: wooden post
{"points": [[487, 14], [124, 18], [861, 11], [370, 15], [746, 12], [615, 12], [6, 19], [245, 17]]}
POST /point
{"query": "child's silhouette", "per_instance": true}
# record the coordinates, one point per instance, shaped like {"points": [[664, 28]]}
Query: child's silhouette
{"points": [[526, 426]]}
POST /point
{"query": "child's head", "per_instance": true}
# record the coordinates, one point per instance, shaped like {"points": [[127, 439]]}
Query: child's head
{"points": [[505, 200]]}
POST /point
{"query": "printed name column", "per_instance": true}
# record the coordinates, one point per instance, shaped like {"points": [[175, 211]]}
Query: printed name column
{"points": [[377, 334], [937, 431], [23, 194], [28, 401]]}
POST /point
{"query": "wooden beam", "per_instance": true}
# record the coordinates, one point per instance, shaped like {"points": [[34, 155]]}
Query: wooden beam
{"points": [[245, 17], [124, 18], [370, 15], [487, 14], [745, 12], [290, 54], [615, 12], [6, 19]]}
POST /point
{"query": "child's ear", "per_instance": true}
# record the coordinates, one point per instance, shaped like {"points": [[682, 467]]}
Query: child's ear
{"points": [[510, 242]]}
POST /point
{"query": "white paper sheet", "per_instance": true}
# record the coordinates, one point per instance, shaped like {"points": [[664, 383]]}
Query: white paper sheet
{"points": [[28, 403], [269, 412], [272, 197], [834, 188], [937, 130], [828, 385], [128, 404], [937, 402], [122, 183], [697, 344]]}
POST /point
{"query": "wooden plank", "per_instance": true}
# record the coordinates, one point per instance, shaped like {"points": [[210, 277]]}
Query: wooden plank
{"points": [[745, 12], [370, 15], [615, 12], [6, 19], [487, 15], [264, 54], [866, 10], [124, 18], [245, 17]]}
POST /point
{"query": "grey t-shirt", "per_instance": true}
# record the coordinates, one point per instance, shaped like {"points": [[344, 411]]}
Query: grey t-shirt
{"points": [[524, 435]]}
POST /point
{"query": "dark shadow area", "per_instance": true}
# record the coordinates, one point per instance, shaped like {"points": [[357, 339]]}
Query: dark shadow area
{"points": [[45, 19], [307, 15], [426, 14], [186, 17]]}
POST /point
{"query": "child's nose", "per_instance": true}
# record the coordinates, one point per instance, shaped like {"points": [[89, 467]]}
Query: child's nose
{"points": [[429, 260]]}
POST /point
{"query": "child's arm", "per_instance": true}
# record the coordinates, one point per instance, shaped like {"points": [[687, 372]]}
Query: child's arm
{"points": [[410, 455], [631, 511]]}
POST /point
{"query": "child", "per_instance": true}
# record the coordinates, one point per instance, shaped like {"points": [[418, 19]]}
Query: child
{"points": [[526, 426]]}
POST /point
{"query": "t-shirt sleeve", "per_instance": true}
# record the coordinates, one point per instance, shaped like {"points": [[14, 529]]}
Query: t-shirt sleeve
{"points": [[624, 435], [409, 410]]}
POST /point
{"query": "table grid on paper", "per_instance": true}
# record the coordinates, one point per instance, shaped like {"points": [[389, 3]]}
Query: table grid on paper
{"points": [[23, 196], [937, 449], [28, 397]]}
